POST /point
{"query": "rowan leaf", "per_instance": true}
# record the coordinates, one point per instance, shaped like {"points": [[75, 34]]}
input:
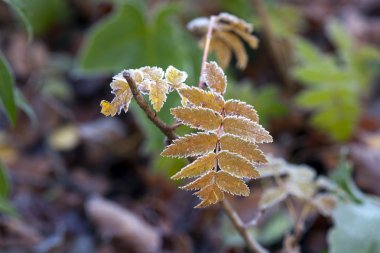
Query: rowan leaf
{"points": [[230, 184], [222, 51], [246, 129], [244, 148], [202, 98], [239, 108], [201, 182], [210, 194], [236, 165], [123, 97], [201, 118], [199, 167], [325, 203], [214, 77], [157, 94], [191, 145], [237, 47], [272, 196], [175, 77]]}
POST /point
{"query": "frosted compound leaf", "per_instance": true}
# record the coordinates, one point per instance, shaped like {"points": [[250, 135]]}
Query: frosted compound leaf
{"points": [[214, 77], [236, 165], [191, 145], [325, 203], [239, 108], [210, 194], [157, 94], [175, 77], [201, 98], [231, 184], [201, 182], [244, 148], [201, 118], [235, 23], [153, 73], [122, 99], [222, 51], [246, 129], [108, 109], [199, 167], [272, 196]]}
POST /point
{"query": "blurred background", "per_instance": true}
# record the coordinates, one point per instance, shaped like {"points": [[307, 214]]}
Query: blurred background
{"points": [[314, 80]]}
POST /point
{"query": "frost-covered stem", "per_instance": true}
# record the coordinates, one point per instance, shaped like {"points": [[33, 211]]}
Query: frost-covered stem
{"points": [[207, 48], [252, 244], [167, 130]]}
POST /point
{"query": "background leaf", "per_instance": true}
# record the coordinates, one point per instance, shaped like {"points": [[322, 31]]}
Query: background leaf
{"points": [[7, 96], [4, 184]]}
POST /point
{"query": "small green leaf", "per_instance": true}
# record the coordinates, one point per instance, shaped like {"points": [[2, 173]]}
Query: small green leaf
{"points": [[4, 184], [25, 107], [7, 96], [21, 9]]}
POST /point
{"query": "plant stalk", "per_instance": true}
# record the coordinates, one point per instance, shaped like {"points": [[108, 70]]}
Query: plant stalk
{"points": [[206, 50]]}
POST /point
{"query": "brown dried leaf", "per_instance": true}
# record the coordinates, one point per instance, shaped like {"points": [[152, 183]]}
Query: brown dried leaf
{"points": [[244, 148], [222, 51], [231, 184], [239, 108], [202, 98], [199, 167], [157, 94], [214, 77], [246, 129], [236, 165], [197, 117], [210, 194], [237, 47], [231, 21], [191, 145], [271, 197], [201, 182]]}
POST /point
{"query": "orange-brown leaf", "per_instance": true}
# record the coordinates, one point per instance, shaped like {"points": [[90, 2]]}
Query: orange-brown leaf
{"points": [[244, 148], [246, 129], [214, 77], [199, 167], [237, 47], [201, 182], [202, 98], [191, 145], [201, 118], [231, 184], [210, 194], [236, 165], [239, 108]]}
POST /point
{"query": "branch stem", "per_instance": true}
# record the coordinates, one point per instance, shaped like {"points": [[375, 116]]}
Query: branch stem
{"points": [[206, 49]]}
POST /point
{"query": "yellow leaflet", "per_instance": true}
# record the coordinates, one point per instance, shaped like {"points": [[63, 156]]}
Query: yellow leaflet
{"points": [[175, 77], [239, 108], [123, 97], [191, 145], [157, 94], [244, 148], [210, 194], [201, 182], [246, 129], [201, 118], [231, 184], [236, 165], [222, 51], [201, 98], [199, 167], [108, 109], [214, 77]]}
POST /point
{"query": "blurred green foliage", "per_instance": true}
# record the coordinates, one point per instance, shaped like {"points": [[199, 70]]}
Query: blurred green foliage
{"points": [[39, 15], [5, 206], [334, 84], [7, 94], [266, 100]]}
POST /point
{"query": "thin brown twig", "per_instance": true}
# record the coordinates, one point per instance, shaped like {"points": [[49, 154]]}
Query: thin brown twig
{"points": [[165, 129], [207, 48], [252, 244]]}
